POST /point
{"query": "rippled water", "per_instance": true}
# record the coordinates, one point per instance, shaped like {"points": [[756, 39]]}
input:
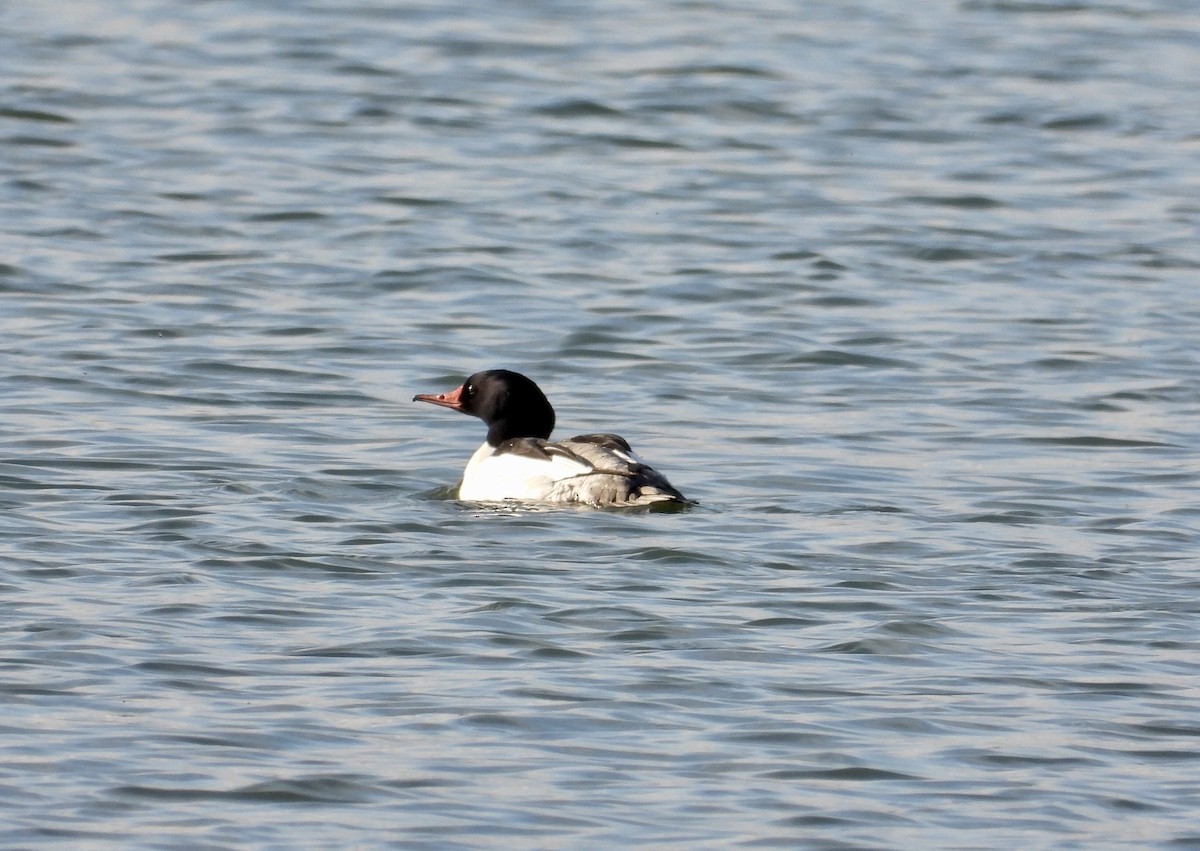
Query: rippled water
{"points": [[905, 295]]}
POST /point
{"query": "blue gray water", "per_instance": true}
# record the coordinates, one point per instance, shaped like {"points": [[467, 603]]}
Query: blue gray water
{"points": [[904, 294]]}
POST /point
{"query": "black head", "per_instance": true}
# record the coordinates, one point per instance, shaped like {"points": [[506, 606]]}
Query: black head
{"points": [[510, 404]]}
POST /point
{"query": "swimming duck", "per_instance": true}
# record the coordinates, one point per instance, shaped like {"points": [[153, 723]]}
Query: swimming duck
{"points": [[519, 462]]}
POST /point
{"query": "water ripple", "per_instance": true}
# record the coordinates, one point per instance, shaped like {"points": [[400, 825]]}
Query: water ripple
{"points": [[903, 295]]}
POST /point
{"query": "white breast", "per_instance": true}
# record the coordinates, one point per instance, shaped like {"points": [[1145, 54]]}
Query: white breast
{"points": [[493, 477]]}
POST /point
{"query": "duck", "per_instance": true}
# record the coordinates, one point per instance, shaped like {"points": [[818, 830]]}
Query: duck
{"points": [[519, 463]]}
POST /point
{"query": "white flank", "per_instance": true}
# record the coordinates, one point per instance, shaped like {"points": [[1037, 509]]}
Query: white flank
{"points": [[493, 478]]}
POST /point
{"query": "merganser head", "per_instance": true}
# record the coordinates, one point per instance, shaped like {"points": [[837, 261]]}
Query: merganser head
{"points": [[510, 404]]}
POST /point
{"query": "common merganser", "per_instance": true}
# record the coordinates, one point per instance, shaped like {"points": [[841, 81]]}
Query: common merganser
{"points": [[518, 461]]}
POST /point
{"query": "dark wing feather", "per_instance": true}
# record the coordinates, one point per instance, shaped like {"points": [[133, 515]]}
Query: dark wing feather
{"points": [[626, 477], [611, 442], [538, 449], [614, 475]]}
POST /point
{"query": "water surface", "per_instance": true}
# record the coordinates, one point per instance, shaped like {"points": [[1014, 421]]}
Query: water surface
{"points": [[904, 296]]}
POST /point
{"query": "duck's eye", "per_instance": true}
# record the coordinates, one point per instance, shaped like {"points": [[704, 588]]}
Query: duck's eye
{"points": [[470, 390]]}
